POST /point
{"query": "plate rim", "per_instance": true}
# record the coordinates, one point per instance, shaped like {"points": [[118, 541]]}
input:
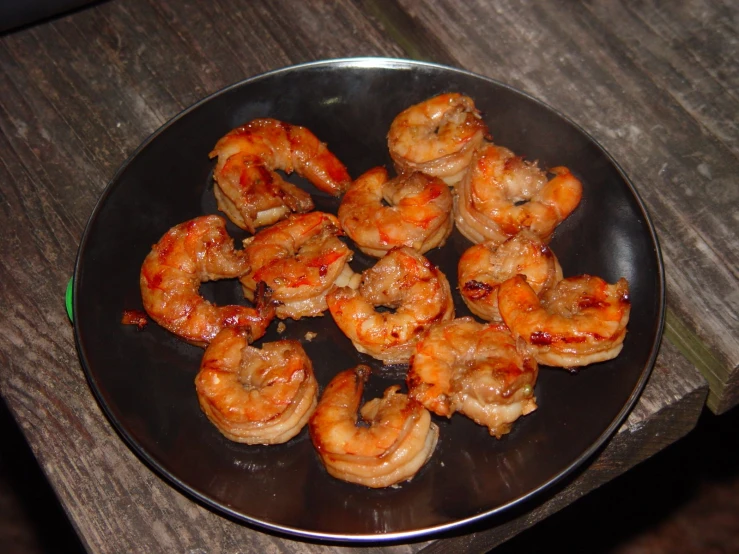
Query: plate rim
{"points": [[359, 63]]}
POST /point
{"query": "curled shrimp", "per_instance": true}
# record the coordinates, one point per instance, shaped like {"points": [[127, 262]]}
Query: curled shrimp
{"points": [[483, 267], [502, 194], [187, 255], [253, 395], [475, 369], [580, 321], [300, 259], [415, 290], [437, 136], [410, 210], [246, 186], [396, 438]]}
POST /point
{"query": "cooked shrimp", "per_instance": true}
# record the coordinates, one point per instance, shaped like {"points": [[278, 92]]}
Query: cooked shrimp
{"points": [[187, 255], [475, 369], [415, 290], [502, 194], [581, 320], [252, 195], [246, 186], [300, 259], [483, 267], [253, 395], [410, 210], [395, 439], [437, 137]]}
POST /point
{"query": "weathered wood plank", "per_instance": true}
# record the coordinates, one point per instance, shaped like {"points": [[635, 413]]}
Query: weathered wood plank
{"points": [[689, 51], [664, 106]]}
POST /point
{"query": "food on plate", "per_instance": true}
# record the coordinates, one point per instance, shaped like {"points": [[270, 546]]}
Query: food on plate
{"points": [[300, 259], [580, 321], [476, 369], [135, 317], [393, 439], [256, 395], [483, 267], [189, 254], [400, 310], [416, 292], [502, 194], [412, 210], [246, 186], [437, 137]]}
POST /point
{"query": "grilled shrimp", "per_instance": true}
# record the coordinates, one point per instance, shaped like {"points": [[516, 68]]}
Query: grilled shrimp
{"points": [[246, 186], [581, 320], [300, 259], [187, 255], [253, 395], [410, 210], [483, 267], [502, 195], [437, 136], [475, 369], [396, 437], [415, 290]]}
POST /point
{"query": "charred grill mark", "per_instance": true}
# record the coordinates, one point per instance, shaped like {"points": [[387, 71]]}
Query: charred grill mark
{"points": [[541, 338], [588, 301], [477, 290]]}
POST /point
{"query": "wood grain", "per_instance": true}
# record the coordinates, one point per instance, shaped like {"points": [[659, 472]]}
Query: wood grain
{"points": [[80, 93]]}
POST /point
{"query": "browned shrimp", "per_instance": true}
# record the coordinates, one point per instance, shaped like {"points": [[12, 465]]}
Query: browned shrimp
{"points": [[417, 292], [300, 259], [483, 267], [502, 194], [246, 186], [437, 136], [187, 255], [475, 369], [412, 210], [395, 439], [581, 321], [252, 395]]}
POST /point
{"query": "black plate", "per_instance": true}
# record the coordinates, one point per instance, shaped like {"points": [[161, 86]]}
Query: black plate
{"points": [[144, 380]]}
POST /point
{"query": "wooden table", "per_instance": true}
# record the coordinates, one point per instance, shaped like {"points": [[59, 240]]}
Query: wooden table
{"points": [[654, 82]]}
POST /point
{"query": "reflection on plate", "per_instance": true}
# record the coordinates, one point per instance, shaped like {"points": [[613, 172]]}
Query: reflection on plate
{"points": [[144, 380]]}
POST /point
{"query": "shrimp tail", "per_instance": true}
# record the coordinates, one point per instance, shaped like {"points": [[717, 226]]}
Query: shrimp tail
{"points": [[363, 373], [263, 302]]}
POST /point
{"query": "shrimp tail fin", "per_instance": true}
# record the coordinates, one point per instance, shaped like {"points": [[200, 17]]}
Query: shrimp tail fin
{"points": [[263, 302], [363, 372]]}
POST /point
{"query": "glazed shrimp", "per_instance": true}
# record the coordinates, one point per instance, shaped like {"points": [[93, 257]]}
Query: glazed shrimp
{"points": [[483, 267], [187, 255], [246, 186], [253, 395], [437, 136], [410, 210], [396, 439], [300, 259], [475, 369], [580, 321], [502, 195], [417, 292]]}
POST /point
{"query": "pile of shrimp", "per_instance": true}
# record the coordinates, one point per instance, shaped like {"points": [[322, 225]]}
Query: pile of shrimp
{"points": [[399, 311]]}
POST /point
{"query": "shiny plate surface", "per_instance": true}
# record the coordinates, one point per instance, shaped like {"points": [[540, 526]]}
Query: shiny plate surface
{"points": [[144, 380]]}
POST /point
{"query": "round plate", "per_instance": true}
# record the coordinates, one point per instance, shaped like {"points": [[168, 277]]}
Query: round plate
{"points": [[144, 380]]}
